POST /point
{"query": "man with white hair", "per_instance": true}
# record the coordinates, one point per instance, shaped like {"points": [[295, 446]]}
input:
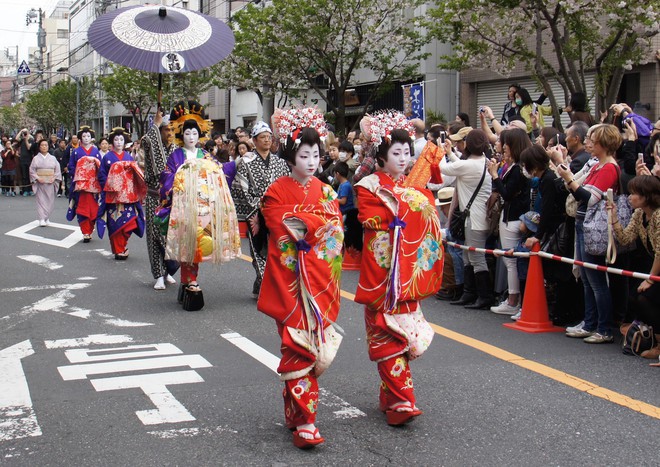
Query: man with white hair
{"points": [[420, 138], [254, 174]]}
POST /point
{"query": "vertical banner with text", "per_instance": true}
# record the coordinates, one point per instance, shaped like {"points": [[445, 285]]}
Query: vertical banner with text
{"points": [[413, 100]]}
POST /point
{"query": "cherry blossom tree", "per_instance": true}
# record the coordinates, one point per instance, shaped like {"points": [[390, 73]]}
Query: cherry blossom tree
{"points": [[287, 47], [605, 36]]}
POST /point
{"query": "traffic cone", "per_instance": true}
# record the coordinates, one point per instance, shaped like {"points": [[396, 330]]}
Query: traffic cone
{"points": [[534, 315], [352, 259]]}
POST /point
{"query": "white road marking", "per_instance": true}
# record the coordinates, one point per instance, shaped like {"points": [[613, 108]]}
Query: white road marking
{"points": [[54, 302], [80, 312], [169, 410], [86, 278], [17, 417], [124, 323], [72, 372], [345, 410], [96, 355], [190, 432], [89, 340], [77, 286], [22, 232], [41, 261], [103, 252]]}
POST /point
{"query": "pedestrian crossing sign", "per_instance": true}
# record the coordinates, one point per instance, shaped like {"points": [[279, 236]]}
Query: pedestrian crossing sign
{"points": [[23, 69]]}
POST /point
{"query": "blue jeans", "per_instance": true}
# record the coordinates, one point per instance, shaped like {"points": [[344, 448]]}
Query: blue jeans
{"points": [[457, 258], [597, 298]]}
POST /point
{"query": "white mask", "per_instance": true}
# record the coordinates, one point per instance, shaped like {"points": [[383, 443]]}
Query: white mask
{"points": [[358, 148], [342, 156]]}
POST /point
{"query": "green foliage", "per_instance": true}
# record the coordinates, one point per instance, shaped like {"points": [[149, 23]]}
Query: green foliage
{"points": [[288, 46], [607, 36], [431, 118], [13, 118], [39, 106], [137, 90]]}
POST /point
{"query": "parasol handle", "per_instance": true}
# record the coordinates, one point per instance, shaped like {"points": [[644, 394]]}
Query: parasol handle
{"points": [[160, 91]]}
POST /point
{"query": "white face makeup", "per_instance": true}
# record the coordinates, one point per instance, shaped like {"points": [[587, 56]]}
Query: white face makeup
{"points": [[398, 157], [307, 162], [190, 138], [86, 139], [118, 143]]}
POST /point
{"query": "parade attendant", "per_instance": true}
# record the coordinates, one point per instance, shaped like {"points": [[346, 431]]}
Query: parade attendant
{"points": [[196, 205], [84, 163], [303, 269], [158, 144], [254, 174], [45, 176], [122, 184], [402, 260]]}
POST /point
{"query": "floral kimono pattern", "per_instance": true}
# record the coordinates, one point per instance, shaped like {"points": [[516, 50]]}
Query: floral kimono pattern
{"points": [[85, 188], [303, 270], [197, 207], [402, 261]]}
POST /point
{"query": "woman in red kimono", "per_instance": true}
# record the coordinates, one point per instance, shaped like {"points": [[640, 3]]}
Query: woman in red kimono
{"points": [[401, 264], [303, 271]]}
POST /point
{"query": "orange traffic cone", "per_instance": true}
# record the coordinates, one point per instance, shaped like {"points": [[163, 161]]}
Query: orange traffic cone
{"points": [[352, 259], [534, 315]]}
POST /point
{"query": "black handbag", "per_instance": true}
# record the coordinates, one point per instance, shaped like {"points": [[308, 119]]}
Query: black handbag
{"points": [[458, 217]]}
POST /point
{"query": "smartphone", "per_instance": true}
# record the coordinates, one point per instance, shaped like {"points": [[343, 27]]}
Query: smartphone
{"points": [[534, 107], [481, 110], [563, 166], [443, 135], [640, 156]]}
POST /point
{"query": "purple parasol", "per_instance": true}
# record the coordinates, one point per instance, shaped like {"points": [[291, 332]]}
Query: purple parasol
{"points": [[161, 39]]}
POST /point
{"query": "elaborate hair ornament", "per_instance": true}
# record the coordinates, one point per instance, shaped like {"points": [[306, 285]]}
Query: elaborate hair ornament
{"points": [[189, 110], [381, 124], [289, 123]]}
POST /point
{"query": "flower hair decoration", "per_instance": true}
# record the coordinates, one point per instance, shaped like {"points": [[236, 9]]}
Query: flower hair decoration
{"points": [[380, 125], [289, 123]]}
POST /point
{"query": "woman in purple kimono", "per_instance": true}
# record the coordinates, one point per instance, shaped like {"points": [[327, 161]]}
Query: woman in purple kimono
{"points": [[123, 187]]}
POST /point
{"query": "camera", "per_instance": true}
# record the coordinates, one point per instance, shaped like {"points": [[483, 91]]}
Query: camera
{"points": [[481, 109]]}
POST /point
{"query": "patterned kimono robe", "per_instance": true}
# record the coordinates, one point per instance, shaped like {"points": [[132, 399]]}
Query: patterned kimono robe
{"points": [[120, 207], [254, 175], [155, 156], [300, 287], [197, 207], [402, 260], [45, 175], [85, 187]]}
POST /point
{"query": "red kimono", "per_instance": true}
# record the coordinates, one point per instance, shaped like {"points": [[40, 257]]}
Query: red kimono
{"points": [[402, 262], [300, 287]]}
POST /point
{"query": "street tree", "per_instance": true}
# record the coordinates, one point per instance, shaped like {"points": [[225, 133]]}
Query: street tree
{"points": [[607, 37], [137, 90], [65, 102], [39, 106], [285, 46], [13, 118]]}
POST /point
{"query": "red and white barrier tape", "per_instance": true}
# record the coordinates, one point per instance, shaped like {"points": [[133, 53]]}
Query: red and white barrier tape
{"points": [[543, 254]]}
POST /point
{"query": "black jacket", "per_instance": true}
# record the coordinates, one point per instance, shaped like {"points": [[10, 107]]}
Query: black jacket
{"points": [[514, 188]]}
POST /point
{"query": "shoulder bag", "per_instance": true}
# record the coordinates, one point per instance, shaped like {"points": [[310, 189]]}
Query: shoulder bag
{"points": [[458, 217], [598, 237]]}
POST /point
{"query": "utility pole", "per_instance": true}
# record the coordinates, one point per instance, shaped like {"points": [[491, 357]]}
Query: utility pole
{"points": [[36, 16]]}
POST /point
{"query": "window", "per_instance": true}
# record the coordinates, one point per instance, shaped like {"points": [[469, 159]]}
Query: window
{"points": [[62, 34]]}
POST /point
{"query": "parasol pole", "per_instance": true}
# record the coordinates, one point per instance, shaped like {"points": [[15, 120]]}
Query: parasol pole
{"points": [[160, 91]]}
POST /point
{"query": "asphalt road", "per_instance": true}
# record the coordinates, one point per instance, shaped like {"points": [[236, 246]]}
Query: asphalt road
{"points": [[149, 384]]}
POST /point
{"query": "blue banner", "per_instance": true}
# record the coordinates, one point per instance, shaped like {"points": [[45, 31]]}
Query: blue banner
{"points": [[417, 100]]}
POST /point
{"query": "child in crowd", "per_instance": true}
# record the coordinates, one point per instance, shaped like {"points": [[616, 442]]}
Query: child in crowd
{"points": [[345, 190], [529, 224]]}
